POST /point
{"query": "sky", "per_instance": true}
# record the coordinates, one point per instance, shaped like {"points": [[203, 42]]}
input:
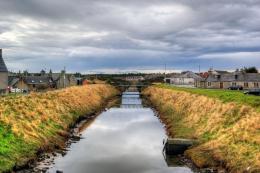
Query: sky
{"points": [[96, 36]]}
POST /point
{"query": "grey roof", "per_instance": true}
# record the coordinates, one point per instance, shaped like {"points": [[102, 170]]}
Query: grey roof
{"points": [[37, 80], [234, 77], [190, 74], [187, 74], [12, 80], [56, 76], [3, 67]]}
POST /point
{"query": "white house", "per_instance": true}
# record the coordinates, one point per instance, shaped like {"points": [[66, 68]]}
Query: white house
{"points": [[185, 78]]}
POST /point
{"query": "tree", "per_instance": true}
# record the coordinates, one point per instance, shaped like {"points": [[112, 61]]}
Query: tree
{"points": [[249, 70]]}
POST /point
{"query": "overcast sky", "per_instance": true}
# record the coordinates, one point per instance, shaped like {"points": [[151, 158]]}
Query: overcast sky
{"points": [[124, 35]]}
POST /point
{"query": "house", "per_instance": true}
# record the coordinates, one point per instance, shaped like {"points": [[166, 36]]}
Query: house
{"points": [[3, 74], [226, 80], [31, 83], [63, 80], [185, 78]]}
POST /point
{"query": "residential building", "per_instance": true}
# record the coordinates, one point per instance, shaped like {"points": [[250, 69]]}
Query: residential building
{"points": [[226, 80], [63, 80], [31, 83], [185, 78], [3, 74]]}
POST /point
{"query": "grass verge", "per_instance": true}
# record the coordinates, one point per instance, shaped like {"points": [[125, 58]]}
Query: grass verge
{"points": [[224, 95]]}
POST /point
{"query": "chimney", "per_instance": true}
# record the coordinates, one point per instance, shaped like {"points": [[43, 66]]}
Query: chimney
{"points": [[0, 53]]}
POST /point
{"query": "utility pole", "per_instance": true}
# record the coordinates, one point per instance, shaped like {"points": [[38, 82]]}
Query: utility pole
{"points": [[165, 73]]}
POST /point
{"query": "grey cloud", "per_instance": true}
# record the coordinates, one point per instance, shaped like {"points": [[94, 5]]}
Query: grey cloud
{"points": [[99, 34]]}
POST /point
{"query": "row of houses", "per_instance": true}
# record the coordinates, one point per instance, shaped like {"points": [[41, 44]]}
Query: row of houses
{"points": [[214, 79], [42, 81], [34, 82]]}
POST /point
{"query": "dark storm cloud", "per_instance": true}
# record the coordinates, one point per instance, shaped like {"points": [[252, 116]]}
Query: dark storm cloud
{"points": [[145, 34]]}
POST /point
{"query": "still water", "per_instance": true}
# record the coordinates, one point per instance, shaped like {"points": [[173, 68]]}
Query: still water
{"points": [[127, 139]]}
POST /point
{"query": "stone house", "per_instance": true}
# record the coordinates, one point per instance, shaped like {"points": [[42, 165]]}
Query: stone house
{"points": [[226, 80], [185, 78], [63, 80], [31, 83], [3, 74]]}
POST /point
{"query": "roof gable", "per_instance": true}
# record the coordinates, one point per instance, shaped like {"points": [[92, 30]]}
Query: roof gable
{"points": [[3, 67]]}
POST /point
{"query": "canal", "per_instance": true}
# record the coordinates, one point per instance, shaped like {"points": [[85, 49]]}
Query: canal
{"points": [[125, 139]]}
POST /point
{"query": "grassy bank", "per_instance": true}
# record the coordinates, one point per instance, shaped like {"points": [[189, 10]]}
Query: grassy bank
{"points": [[40, 121], [224, 95], [228, 130]]}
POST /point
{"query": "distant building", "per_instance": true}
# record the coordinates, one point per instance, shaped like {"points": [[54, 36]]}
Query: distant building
{"points": [[31, 83], [3, 74], [134, 78], [63, 80], [186, 78], [224, 80]]}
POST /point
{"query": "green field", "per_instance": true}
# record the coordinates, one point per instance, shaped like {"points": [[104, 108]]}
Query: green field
{"points": [[223, 95]]}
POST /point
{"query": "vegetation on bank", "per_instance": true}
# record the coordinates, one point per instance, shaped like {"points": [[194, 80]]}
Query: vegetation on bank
{"points": [[224, 95], [228, 132], [40, 121]]}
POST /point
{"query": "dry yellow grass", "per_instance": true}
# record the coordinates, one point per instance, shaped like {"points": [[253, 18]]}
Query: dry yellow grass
{"points": [[25, 114], [229, 133], [39, 120]]}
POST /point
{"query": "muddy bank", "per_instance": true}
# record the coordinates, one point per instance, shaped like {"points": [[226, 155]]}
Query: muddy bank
{"points": [[227, 133], [41, 122]]}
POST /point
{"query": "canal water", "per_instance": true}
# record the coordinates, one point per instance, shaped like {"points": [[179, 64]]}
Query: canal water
{"points": [[125, 139]]}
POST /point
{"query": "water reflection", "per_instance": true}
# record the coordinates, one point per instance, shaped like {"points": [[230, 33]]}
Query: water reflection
{"points": [[121, 140]]}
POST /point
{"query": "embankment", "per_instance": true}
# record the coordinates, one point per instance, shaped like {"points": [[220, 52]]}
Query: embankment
{"points": [[228, 132], [41, 121]]}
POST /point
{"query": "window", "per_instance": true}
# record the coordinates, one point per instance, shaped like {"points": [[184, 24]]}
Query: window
{"points": [[256, 84], [246, 84], [236, 76], [234, 83], [209, 83]]}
